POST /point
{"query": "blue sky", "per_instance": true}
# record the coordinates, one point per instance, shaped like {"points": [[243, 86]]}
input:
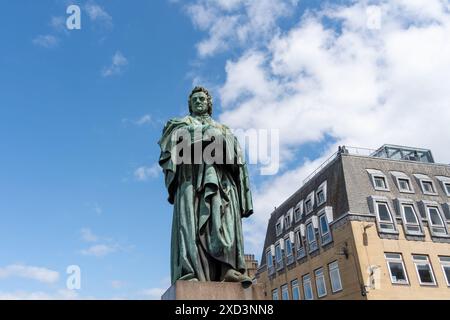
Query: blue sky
{"points": [[81, 112]]}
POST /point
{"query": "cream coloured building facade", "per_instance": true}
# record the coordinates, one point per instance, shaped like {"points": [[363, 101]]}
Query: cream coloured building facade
{"points": [[372, 226]]}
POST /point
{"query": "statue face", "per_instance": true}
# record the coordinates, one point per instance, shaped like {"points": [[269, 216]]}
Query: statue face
{"points": [[199, 103]]}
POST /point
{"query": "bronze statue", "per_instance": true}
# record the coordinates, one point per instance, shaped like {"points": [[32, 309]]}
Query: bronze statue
{"points": [[209, 197]]}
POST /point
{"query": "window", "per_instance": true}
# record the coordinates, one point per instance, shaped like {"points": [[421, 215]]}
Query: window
{"points": [[410, 219], [325, 233], [321, 193], [278, 256], [320, 283], [396, 268], [300, 247], [404, 185], [278, 228], [447, 188], [445, 264], [288, 218], [309, 203], [295, 290], [298, 211], [307, 289], [403, 182], [385, 221], [288, 250], [284, 292], [437, 225], [427, 187], [275, 294], [335, 277], [379, 180], [445, 182], [426, 183], [269, 261], [424, 271], [311, 237]]}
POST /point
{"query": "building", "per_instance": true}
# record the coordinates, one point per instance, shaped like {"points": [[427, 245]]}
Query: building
{"points": [[365, 225], [251, 265]]}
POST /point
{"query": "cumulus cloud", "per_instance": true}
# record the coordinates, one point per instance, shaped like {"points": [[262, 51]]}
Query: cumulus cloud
{"points": [[98, 14], [117, 64], [230, 22], [62, 294], [145, 173], [29, 272], [100, 250], [88, 236], [46, 41], [337, 76]]}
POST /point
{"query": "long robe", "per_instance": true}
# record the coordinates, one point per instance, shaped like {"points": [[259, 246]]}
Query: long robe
{"points": [[209, 201]]}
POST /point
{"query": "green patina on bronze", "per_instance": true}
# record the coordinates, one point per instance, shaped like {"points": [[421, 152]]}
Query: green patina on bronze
{"points": [[209, 201]]}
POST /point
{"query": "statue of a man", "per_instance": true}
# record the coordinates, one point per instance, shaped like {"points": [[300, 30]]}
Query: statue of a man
{"points": [[209, 197]]}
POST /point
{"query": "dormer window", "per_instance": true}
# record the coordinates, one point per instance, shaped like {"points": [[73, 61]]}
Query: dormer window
{"points": [[288, 218], [445, 182], [321, 193], [403, 182], [379, 180], [278, 228], [426, 184], [309, 203], [298, 211]]}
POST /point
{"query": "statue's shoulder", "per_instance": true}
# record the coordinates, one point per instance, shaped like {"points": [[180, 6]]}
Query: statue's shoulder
{"points": [[176, 122]]}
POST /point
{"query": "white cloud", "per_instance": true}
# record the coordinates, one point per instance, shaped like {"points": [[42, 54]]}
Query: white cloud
{"points": [[29, 272], [98, 14], [359, 86], [117, 64], [58, 24], [88, 236], [153, 293], [231, 22], [117, 284], [62, 294], [145, 173], [46, 41], [100, 250]]}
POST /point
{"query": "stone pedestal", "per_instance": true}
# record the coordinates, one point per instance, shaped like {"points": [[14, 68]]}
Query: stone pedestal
{"points": [[195, 290]]}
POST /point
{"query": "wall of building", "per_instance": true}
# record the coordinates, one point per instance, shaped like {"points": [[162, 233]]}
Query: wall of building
{"points": [[348, 267], [370, 252]]}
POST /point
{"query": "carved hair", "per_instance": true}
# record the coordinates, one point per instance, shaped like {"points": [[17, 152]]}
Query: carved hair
{"points": [[209, 99]]}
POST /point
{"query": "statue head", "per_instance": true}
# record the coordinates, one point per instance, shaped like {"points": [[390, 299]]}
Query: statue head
{"points": [[200, 101]]}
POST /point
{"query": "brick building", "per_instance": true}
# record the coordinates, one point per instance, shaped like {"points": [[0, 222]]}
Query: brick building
{"points": [[363, 226]]}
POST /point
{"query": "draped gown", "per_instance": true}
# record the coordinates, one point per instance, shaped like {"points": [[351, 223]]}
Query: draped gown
{"points": [[209, 201]]}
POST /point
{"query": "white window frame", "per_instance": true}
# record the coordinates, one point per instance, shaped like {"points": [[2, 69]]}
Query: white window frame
{"points": [[288, 218], [306, 279], [396, 260], [402, 176], [333, 270], [295, 286], [298, 208], [300, 249], [445, 181], [382, 200], [324, 237], [378, 174], [429, 205], [284, 290], [275, 294], [322, 188], [310, 198], [446, 211], [320, 277], [420, 262], [280, 222], [401, 207], [445, 263], [315, 244], [424, 178], [279, 263], [289, 256]]}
